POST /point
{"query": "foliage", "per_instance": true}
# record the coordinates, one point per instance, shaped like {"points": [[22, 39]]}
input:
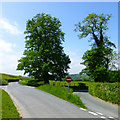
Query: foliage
{"points": [[74, 84], [98, 59], [34, 83], [114, 76], [8, 108], [23, 82], [62, 92], [106, 91], [78, 77], [44, 56], [85, 79], [3, 82]]}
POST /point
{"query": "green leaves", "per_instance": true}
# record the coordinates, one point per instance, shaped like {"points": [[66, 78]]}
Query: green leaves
{"points": [[97, 60], [94, 25], [44, 56]]}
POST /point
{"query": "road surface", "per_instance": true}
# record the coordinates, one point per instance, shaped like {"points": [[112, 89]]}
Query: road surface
{"points": [[33, 103], [98, 106]]}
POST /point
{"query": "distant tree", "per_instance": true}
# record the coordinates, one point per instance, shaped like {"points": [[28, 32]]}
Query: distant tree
{"points": [[96, 60], [44, 57]]}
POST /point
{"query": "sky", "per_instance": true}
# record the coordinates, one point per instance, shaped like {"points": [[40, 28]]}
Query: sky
{"points": [[13, 18]]}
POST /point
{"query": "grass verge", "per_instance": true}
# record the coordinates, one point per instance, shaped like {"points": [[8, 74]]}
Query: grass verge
{"points": [[9, 110], [62, 92]]}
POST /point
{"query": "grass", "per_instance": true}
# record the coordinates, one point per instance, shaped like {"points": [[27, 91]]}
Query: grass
{"points": [[8, 108], [62, 92]]}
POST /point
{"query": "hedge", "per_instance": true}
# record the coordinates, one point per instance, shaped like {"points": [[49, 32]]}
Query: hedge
{"points": [[12, 79], [35, 83], [106, 91], [3, 82], [74, 84]]}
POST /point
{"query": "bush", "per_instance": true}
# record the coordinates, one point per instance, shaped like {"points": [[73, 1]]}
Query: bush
{"points": [[74, 84], [114, 76], [85, 79], [12, 79], [23, 82], [3, 82], [106, 91], [34, 83]]}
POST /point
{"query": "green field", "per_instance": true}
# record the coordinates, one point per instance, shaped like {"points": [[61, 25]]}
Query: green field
{"points": [[8, 108]]}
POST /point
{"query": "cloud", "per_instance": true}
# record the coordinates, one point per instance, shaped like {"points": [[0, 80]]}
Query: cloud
{"points": [[75, 66], [9, 58], [5, 46], [8, 63], [12, 29]]}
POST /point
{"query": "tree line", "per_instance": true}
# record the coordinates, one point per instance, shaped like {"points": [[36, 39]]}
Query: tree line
{"points": [[44, 57]]}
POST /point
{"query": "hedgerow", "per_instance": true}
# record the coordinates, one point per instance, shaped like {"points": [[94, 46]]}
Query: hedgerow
{"points": [[106, 91], [3, 82], [73, 84]]}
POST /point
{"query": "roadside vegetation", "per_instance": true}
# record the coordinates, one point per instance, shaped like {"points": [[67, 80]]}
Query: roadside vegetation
{"points": [[45, 61], [57, 90], [6, 78], [105, 91], [34, 83], [9, 110], [3, 82]]}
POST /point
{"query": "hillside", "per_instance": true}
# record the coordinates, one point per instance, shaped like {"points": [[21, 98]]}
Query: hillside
{"points": [[9, 77], [78, 77]]}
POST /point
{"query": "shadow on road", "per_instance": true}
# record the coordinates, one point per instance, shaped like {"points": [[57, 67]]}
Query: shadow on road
{"points": [[78, 90]]}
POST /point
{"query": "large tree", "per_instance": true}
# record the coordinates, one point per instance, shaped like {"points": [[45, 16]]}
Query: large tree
{"points": [[44, 57], [96, 60]]}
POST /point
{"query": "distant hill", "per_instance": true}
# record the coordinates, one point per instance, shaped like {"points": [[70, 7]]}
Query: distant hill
{"points": [[78, 77]]}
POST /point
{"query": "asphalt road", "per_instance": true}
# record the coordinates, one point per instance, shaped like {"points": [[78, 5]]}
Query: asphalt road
{"points": [[33, 103], [98, 106]]}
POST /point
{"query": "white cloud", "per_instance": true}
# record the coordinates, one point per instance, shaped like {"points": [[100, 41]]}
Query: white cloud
{"points": [[9, 58], [8, 64], [5, 46], [75, 66], [11, 28]]}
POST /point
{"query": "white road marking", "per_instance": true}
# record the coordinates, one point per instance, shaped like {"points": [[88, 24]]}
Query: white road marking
{"points": [[92, 113], [103, 117], [83, 109], [111, 117], [99, 113]]}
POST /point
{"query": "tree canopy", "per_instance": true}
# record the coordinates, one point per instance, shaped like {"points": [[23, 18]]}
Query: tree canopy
{"points": [[44, 57], [97, 60]]}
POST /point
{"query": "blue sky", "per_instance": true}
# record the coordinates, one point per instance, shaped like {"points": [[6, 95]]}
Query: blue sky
{"points": [[15, 15]]}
